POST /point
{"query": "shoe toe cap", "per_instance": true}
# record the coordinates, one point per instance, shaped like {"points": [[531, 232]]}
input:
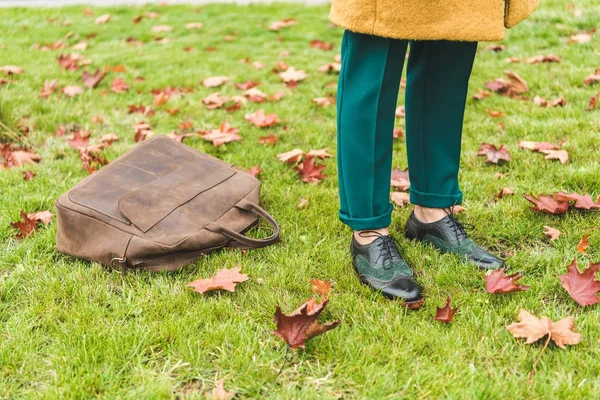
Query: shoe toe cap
{"points": [[405, 289]]}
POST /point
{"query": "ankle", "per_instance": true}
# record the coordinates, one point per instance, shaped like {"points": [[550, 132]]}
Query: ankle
{"points": [[428, 215], [369, 236]]}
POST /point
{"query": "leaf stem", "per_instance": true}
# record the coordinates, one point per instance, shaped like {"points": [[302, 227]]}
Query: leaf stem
{"points": [[538, 359]]}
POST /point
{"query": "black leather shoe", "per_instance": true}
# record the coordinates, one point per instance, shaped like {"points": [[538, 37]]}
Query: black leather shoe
{"points": [[380, 266], [449, 236]]}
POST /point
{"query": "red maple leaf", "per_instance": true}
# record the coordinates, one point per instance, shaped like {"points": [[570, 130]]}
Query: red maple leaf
{"points": [[582, 287], [94, 80], [226, 279], [302, 324], [445, 314], [498, 282], [309, 172], [493, 154]]}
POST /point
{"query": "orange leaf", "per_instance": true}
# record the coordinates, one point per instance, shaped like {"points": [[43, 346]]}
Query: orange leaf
{"points": [[225, 279], [534, 329], [552, 233], [320, 287], [583, 245]]}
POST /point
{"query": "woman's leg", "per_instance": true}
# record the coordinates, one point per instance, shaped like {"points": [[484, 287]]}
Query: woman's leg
{"points": [[366, 102], [436, 92]]}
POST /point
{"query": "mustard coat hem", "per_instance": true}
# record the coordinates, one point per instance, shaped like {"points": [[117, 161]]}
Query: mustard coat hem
{"points": [[460, 20]]}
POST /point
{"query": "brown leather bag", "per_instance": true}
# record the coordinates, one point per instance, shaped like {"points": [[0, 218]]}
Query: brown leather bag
{"points": [[158, 207]]}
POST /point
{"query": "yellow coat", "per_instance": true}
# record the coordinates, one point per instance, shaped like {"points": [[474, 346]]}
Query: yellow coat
{"points": [[466, 20]]}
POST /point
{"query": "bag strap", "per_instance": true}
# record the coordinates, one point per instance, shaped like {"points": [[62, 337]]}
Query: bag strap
{"points": [[248, 241]]}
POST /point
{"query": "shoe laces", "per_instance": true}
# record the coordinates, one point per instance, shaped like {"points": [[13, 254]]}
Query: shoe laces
{"points": [[458, 228], [388, 243]]}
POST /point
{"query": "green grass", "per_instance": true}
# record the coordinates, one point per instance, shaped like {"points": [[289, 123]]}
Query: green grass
{"points": [[70, 329]]}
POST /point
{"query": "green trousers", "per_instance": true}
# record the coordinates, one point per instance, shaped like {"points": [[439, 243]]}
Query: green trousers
{"points": [[436, 89]]}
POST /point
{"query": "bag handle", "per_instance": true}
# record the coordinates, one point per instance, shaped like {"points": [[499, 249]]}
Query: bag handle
{"points": [[248, 241]]}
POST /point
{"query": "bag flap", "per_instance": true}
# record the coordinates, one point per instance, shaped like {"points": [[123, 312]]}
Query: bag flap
{"points": [[151, 203]]}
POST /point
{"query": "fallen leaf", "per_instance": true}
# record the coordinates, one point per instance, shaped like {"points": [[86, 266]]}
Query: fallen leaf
{"points": [[495, 47], [309, 172], [277, 25], [72, 91], [560, 155], [400, 112], [292, 75], [321, 153], [225, 279], [400, 198], [493, 154], [543, 59], [302, 324], [580, 38], [513, 87], [593, 102], [225, 134], [103, 19], [494, 114], [11, 70], [303, 203], [255, 95], [213, 101], [323, 101], [497, 282], [583, 245], [28, 225], [504, 192], [584, 202], [547, 204], [582, 287], [80, 139], [194, 25], [533, 329], [270, 139], [320, 287], [141, 131], [592, 78], [162, 28], [118, 85], [537, 146], [481, 94], [90, 80], [400, 179], [552, 233], [28, 175], [219, 392], [215, 81], [246, 85], [255, 170], [445, 314], [48, 88], [321, 45], [262, 120], [292, 156]]}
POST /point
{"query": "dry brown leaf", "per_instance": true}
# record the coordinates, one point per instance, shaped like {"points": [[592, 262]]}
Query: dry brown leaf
{"points": [[583, 245], [552, 233], [533, 329], [225, 279]]}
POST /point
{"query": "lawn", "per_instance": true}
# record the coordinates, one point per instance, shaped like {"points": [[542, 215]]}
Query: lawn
{"points": [[73, 329]]}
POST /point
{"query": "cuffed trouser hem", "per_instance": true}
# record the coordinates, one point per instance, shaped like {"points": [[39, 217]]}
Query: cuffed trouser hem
{"points": [[433, 200], [359, 224]]}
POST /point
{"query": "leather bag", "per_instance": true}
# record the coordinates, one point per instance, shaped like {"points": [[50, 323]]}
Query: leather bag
{"points": [[158, 207]]}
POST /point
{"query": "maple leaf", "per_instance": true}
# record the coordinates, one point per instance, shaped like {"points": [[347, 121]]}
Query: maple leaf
{"points": [[292, 75], [494, 114], [547, 204], [302, 324], [322, 154], [270, 139], [481, 94], [261, 119], [560, 155], [498, 282], [321, 45], [72, 91], [80, 139], [543, 59], [141, 109], [161, 28], [277, 96], [400, 179], [246, 85], [28, 175], [103, 19], [533, 329], [582, 287], [28, 225], [255, 95], [580, 38], [255, 170], [161, 97], [292, 156], [584, 202], [94, 80], [445, 314], [141, 131], [552, 233], [504, 192], [277, 25], [331, 67], [583, 245], [400, 198], [513, 87], [118, 85], [215, 81], [493, 154], [309, 172], [592, 78], [219, 392], [19, 158], [323, 101], [11, 70], [320, 287], [593, 102], [194, 25], [225, 279], [225, 134], [400, 112], [302, 203], [214, 100]]}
